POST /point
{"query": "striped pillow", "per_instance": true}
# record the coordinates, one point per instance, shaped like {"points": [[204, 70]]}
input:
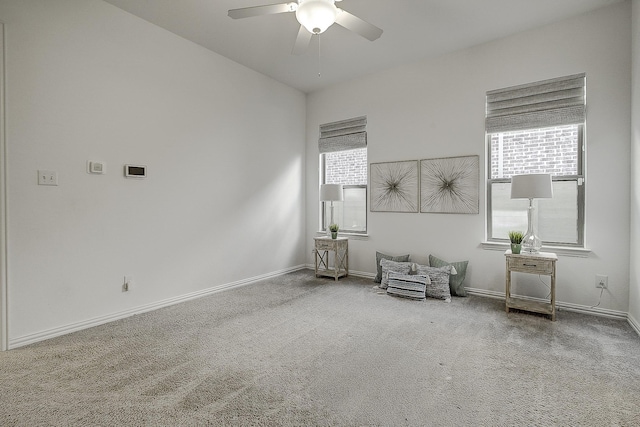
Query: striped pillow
{"points": [[380, 256], [392, 266], [408, 286]]}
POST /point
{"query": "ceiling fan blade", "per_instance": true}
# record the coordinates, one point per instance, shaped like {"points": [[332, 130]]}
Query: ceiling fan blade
{"points": [[302, 41], [270, 9], [357, 25]]}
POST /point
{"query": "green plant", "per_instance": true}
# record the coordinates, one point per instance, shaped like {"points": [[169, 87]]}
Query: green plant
{"points": [[516, 237], [334, 228]]}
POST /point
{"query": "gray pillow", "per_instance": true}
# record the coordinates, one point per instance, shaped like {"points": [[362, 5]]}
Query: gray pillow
{"points": [[407, 286], [455, 282], [392, 266], [379, 256], [439, 286]]}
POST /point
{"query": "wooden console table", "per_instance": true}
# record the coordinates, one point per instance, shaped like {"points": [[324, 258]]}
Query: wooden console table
{"points": [[340, 247], [540, 263]]}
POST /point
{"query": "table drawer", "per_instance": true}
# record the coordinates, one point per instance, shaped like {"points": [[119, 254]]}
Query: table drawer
{"points": [[535, 266], [325, 245]]}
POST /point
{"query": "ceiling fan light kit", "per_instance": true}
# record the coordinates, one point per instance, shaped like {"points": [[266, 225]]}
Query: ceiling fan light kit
{"points": [[314, 16]]}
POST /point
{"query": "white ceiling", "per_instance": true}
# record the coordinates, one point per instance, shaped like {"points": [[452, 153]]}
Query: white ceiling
{"points": [[413, 30]]}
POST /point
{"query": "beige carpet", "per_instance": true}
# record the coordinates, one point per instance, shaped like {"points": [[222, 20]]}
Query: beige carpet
{"points": [[297, 350]]}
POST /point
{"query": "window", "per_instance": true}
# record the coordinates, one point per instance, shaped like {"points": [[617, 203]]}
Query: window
{"points": [[348, 168], [537, 128], [343, 160]]}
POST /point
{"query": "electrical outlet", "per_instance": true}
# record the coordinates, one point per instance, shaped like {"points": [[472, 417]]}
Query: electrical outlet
{"points": [[602, 281]]}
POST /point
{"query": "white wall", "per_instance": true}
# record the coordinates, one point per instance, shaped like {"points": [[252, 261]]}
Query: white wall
{"points": [[224, 199], [634, 291], [435, 108]]}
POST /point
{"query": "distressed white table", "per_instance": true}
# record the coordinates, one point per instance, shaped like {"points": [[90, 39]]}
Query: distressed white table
{"points": [[540, 263], [340, 247]]}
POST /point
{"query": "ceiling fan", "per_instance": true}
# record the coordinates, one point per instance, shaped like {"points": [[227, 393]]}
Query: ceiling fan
{"points": [[314, 16]]}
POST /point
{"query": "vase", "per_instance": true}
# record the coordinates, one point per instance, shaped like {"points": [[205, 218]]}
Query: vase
{"points": [[515, 248], [334, 234]]}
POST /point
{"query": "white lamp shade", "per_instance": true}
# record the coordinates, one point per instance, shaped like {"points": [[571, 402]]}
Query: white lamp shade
{"points": [[316, 15], [331, 193], [531, 186]]}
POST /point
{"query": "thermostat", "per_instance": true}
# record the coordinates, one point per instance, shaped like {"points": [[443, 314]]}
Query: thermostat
{"points": [[135, 171]]}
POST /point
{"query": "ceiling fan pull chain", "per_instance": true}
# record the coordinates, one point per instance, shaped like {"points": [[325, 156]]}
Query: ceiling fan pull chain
{"points": [[319, 64]]}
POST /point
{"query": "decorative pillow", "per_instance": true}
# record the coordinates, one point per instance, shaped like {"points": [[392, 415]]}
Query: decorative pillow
{"points": [[455, 282], [389, 266], [439, 286], [380, 255], [407, 286]]}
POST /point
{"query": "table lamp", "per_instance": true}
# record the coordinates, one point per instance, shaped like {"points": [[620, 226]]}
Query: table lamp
{"points": [[331, 193], [531, 186]]}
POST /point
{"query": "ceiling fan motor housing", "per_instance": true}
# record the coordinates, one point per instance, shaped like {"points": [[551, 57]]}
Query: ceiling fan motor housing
{"points": [[316, 15]]}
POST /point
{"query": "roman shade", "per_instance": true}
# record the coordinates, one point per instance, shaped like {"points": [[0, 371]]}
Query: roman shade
{"points": [[554, 102], [343, 135]]}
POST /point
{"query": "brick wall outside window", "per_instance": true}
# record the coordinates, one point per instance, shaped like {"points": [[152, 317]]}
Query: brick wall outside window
{"points": [[346, 167], [551, 150]]}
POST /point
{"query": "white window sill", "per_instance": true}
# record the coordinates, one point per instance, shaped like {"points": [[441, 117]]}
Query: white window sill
{"points": [[559, 250], [354, 236]]}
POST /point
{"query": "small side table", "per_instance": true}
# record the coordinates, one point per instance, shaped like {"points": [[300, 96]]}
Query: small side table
{"points": [[540, 263], [340, 247]]}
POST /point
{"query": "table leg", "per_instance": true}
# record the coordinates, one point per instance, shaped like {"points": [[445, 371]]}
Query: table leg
{"points": [[553, 293], [507, 293]]}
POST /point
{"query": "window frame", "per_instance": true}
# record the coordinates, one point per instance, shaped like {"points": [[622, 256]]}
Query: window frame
{"points": [[580, 185], [323, 208]]}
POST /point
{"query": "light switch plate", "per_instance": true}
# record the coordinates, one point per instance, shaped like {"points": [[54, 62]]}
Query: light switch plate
{"points": [[47, 178]]}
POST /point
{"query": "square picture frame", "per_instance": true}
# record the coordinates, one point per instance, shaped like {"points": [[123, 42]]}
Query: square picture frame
{"points": [[450, 185], [394, 186]]}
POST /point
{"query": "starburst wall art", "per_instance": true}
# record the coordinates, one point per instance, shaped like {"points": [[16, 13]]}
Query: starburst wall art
{"points": [[394, 186], [450, 185]]}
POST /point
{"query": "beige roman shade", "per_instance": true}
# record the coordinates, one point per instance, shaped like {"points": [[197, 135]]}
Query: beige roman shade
{"points": [[554, 102]]}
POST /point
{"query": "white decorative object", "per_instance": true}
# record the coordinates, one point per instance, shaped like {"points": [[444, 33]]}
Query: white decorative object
{"points": [[531, 186]]}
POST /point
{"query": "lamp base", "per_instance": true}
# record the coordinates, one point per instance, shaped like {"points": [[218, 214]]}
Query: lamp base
{"points": [[328, 230], [531, 243]]}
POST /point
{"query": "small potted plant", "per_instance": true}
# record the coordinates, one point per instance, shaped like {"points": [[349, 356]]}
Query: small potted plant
{"points": [[516, 241], [334, 230]]}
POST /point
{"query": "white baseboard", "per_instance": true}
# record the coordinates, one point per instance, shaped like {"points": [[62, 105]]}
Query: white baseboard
{"points": [[595, 311], [634, 323], [73, 327], [363, 274]]}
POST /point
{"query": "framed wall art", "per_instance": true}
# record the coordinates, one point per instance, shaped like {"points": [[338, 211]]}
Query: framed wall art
{"points": [[450, 185], [394, 186]]}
